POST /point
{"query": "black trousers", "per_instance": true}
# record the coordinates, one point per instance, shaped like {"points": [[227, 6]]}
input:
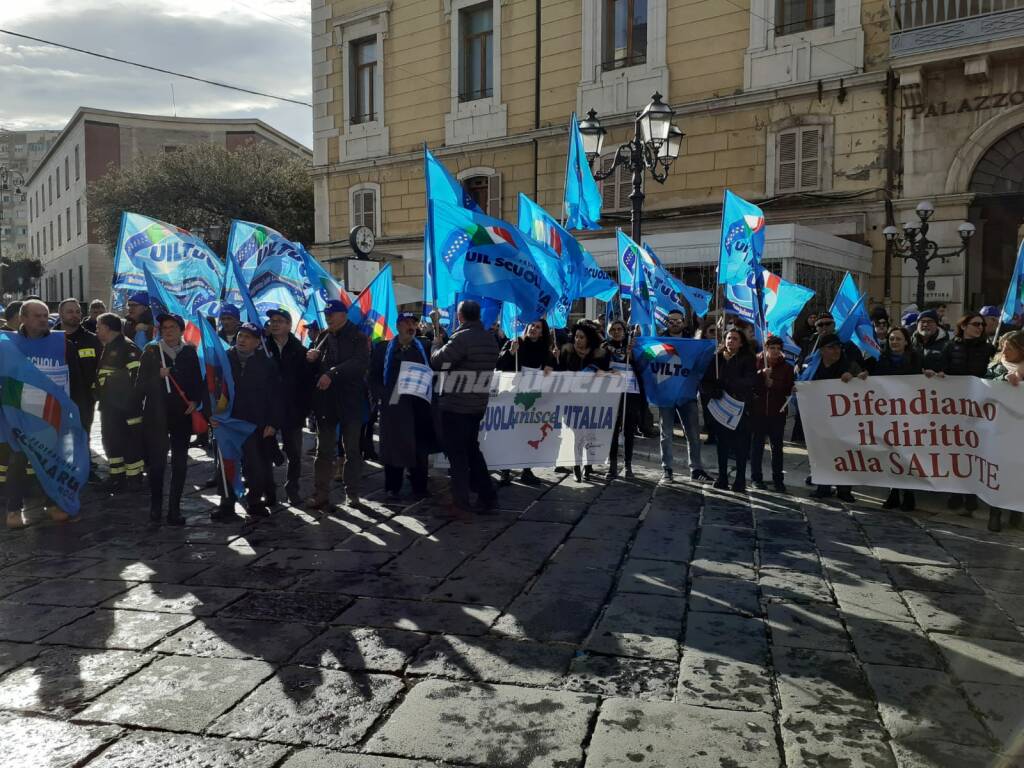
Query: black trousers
{"points": [[461, 442], [291, 440], [733, 444], [176, 439], [771, 427], [393, 476], [626, 423]]}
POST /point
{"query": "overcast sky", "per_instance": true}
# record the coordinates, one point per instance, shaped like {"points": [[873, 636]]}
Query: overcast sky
{"points": [[259, 44]]}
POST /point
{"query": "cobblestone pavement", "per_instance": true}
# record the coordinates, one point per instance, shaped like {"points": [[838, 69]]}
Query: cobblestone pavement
{"points": [[594, 624]]}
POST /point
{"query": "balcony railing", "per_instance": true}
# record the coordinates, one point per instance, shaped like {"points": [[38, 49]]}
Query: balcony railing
{"points": [[928, 25]]}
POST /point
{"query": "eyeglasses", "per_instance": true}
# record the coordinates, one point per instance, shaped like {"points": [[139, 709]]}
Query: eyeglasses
{"points": [[977, 324]]}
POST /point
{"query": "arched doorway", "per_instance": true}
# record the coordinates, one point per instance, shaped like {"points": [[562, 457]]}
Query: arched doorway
{"points": [[998, 210]]}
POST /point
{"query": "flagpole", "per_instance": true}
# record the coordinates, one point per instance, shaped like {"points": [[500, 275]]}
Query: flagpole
{"points": [[163, 361], [565, 177]]}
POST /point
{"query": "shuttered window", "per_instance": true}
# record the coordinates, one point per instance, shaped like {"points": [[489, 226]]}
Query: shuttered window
{"points": [[799, 160], [486, 192], [616, 189], [364, 206]]}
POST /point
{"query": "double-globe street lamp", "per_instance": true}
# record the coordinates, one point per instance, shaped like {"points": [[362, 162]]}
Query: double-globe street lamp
{"points": [[915, 246], [654, 146]]}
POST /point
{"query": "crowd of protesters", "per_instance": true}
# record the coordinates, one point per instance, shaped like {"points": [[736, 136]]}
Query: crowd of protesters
{"points": [[147, 383]]}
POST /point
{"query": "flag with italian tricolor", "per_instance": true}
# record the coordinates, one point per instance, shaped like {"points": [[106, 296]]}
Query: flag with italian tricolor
{"points": [[39, 419], [671, 368]]}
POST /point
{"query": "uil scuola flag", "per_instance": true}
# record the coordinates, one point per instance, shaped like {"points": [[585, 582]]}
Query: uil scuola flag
{"points": [[742, 245], [39, 419], [186, 265], [671, 368]]}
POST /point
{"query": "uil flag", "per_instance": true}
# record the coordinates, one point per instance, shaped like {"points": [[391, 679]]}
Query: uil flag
{"points": [[852, 320], [1013, 307], [281, 282], [440, 185], [511, 324], [188, 267], [629, 257], [486, 256], [248, 245], [248, 309], [323, 288], [39, 419], [375, 312], [641, 303], [162, 302], [783, 302], [698, 299], [742, 243], [664, 285], [582, 197], [583, 275], [671, 368]]}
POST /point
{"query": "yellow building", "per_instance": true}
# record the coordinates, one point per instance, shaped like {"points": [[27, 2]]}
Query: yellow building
{"points": [[786, 103]]}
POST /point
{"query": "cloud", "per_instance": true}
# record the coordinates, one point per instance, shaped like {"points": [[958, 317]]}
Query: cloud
{"points": [[41, 86]]}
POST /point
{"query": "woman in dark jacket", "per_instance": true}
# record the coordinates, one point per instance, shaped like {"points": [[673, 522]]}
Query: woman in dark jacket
{"points": [[167, 366], [733, 373], [583, 354], [968, 353], [619, 346], [898, 358], [531, 350]]}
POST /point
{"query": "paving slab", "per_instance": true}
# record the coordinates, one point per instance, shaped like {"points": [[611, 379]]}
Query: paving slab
{"points": [[457, 722], [874, 601], [1012, 605], [715, 680], [709, 563], [300, 705], [323, 560], [724, 595], [982, 660], [1001, 710], [361, 648], [246, 577], [668, 735], [930, 753], [791, 586], [641, 626], [60, 681], [322, 758], [898, 643], [492, 660], [555, 512], [170, 750], [43, 743], [128, 630], [662, 543], [10, 585], [822, 683], [819, 741], [558, 579], [168, 598], [645, 679], [14, 654], [178, 693], [653, 577], [48, 567], [549, 617], [227, 638], [70, 592], [806, 625], [789, 560], [402, 586], [973, 615], [998, 580], [613, 527], [419, 615], [739, 638], [591, 553], [28, 623], [310, 608], [921, 704], [931, 578], [151, 570]]}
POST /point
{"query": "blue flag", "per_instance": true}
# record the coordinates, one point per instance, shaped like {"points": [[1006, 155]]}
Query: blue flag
{"points": [[39, 419], [323, 288], [852, 320], [281, 281], [671, 368], [664, 285], [247, 309], [582, 196], [810, 367], [698, 299], [188, 267], [629, 257], [583, 275], [511, 325], [162, 302], [783, 303], [374, 311], [487, 256], [248, 245], [742, 245], [641, 303], [440, 185], [1013, 307]]}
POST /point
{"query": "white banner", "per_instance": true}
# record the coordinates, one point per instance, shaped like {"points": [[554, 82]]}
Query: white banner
{"points": [[558, 419], [959, 434], [726, 410], [415, 379]]}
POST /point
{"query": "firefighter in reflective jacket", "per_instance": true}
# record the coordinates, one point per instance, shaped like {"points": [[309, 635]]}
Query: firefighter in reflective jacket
{"points": [[120, 409]]}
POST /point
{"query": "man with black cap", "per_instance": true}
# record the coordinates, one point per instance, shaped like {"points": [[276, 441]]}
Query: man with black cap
{"points": [[258, 401], [341, 357], [139, 326], [296, 388], [87, 348], [120, 406], [230, 319], [880, 323], [929, 339]]}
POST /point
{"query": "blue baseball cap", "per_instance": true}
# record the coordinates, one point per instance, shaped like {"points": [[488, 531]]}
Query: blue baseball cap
{"points": [[230, 310], [168, 316], [335, 305], [280, 312], [139, 298], [251, 328]]}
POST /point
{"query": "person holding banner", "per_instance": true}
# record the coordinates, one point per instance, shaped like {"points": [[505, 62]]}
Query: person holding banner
{"points": [[734, 373], [619, 346], [120, 408], [768, 412], [406, 423], [341, 357], [170, 384], [296, 387], [585, 353], [1008, 366], [532, 351]]}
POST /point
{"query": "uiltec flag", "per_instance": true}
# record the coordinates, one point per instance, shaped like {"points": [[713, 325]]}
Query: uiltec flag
{"points": [[671, 368], [852, 320], [374, 312], [582, 196], [162, 302], [39, 419], [281, 282], [487, 256], [664, 285], [1013, 306], [323, 288], [742, 243], [698, 299], [248, 245], [188, 267], [641, 303]]}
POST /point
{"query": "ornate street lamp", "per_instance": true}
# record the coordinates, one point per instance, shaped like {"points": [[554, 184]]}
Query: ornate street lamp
{"points": [[655, 145], [915, 246]]}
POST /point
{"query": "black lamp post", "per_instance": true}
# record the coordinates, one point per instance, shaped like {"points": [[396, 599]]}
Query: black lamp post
{"points": [[915, 246], [655, 144]]}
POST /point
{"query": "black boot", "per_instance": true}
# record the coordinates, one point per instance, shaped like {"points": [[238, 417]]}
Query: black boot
{"points": [[506, 477], [588, 472], [893, 500], [174, 511], [613, 472], [1015, 519], [527, 476], [909, 502], [578, 472], [155, 512], [995, 520]]}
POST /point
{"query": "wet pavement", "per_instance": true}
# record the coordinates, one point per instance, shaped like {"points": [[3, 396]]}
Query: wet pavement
{"points": [[581, 624]]}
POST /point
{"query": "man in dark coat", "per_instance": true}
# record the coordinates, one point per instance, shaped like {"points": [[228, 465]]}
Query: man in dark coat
{"points": [[120, 409], [87, 348], [230, 320], [296, 388], [406, 426], [257, 400], [467, 359], [341, 357], [929, 339]]}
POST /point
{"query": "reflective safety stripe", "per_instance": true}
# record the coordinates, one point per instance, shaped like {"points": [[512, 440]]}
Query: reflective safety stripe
{"points": [[114, 461], [116, 470], [133, 469], [87, 352], [30, 471], [133, 422], [133, 364]]}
